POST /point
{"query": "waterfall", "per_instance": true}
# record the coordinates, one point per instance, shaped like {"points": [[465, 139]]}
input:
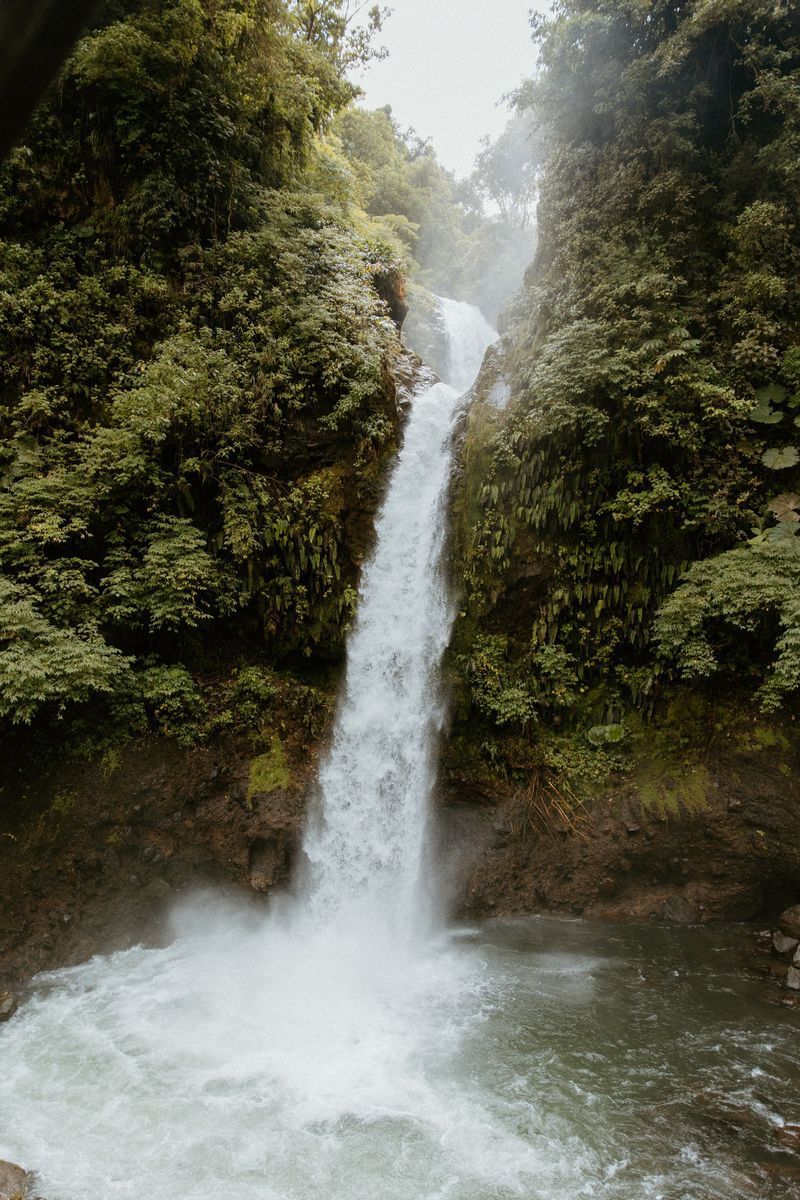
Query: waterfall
{"points": [[367, 841], [307, 1051], [321, 1049], [468, 336]]}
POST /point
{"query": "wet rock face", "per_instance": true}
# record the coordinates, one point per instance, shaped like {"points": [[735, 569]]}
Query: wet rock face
{"points": [[108, 872], [8, 1005], [736, 857], [784, 947], [678, 911], [14, 1182], [789, 922], [269, 862], [391, 287], [784, 944]]}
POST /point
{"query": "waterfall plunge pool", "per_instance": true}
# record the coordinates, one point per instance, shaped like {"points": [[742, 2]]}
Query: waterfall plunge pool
{"points": [[539, 1058], [333, 1050]]}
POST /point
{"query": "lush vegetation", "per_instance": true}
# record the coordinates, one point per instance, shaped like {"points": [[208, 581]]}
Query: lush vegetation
{"points": [[194, 353], [631, 518], [204, 248], [470, 239], [203, 242]]}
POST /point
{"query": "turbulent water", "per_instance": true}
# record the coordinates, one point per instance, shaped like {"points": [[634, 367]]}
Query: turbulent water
{"points": [[367, 844], [469, 336], [344, 1045], [366, 847]]}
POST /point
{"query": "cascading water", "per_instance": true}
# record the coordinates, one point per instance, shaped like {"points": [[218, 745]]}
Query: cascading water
{"points": [[366, 848], [469, 335], [337, 1049]]}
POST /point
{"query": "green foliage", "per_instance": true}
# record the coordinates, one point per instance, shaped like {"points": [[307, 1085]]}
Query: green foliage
{"points": [[435, 225], [193, 355], [254, 691], [652, 356], [45, 665], [515, 694], [495, 691], [606, 735], [753, 591], [268, 773], [171, 699], [332, 28]]}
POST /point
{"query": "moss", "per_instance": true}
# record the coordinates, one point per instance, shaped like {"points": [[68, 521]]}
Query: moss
{"points": [[63, 803], [268, 773], [767, 738], [110, 762], [669, 788], [754, 737], [48, 821]]}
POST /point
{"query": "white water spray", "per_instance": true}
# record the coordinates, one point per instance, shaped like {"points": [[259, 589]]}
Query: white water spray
{"points": [[469, 336], [367, 846]]}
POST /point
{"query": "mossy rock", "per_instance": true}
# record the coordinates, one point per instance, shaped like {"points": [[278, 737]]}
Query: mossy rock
{"points": [[669, 789], [268, 773]]}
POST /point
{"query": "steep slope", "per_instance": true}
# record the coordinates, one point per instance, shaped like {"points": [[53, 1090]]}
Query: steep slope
{"points": [[628, 513], [197, 391]]}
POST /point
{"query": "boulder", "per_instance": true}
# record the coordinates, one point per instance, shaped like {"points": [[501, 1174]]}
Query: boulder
{"points": [[14, 1182], [793, 979], [8, 1005], [784, 944], [678, 910], [789, 922], [789, 1135]]}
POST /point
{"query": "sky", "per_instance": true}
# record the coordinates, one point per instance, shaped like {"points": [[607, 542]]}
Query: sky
{"points": [[450, 63]]}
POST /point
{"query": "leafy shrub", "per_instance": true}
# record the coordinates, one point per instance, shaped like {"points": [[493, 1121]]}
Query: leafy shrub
{"points": [[652, 354], [193, 358], [754, 591]]}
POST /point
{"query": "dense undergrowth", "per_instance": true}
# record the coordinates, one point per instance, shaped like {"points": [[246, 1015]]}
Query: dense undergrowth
{"points": [[630, 520], [204, 248], [194, 366]]}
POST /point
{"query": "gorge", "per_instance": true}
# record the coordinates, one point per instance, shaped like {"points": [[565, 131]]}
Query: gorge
{"points": [[399, 653], [345, 1041]]}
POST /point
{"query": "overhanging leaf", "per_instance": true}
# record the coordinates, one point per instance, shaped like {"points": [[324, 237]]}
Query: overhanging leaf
{"points": [[780, 459], [785, 506], [606, 735], [765, 415], [773, 393]]}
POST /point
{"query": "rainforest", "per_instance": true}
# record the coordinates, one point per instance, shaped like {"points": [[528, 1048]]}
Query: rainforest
{"points": [[400, 608]]}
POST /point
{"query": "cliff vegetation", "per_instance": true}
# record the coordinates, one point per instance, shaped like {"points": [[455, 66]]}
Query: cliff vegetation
{"points": [[628, 523]]}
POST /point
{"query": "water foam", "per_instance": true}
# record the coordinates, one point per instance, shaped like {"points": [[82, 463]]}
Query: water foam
{"points": [[366, 845], [261, 1040]]}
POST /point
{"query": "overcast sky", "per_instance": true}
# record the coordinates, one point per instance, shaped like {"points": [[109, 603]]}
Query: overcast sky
{"points": [[449, 64]]}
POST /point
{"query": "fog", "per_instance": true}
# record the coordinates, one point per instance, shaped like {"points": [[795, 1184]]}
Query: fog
{"points": [[450, 63]]}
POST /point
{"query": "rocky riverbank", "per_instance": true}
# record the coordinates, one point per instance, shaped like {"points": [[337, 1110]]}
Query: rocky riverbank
{"points": [[783, 948], [94, 856], [15, 1184]]}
